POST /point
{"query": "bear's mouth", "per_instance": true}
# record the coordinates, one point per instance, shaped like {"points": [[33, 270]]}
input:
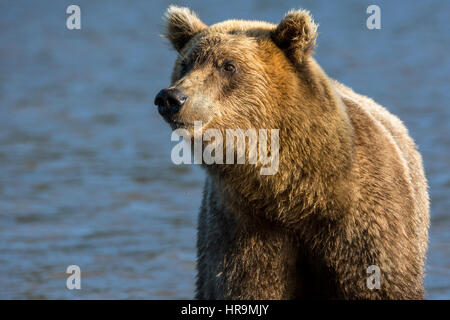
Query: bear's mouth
{"points": [[175, 124]]}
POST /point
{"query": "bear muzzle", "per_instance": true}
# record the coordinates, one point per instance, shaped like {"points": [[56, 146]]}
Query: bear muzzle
{"points": [[170, 102]]}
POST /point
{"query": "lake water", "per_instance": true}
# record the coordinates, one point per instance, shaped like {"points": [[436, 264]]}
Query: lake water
{"points": [[85, 170]]}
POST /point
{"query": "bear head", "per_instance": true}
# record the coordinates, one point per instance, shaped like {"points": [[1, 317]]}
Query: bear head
{"points": [[235, 74]]}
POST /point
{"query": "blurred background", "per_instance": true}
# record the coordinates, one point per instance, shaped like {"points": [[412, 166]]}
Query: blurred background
{"points": [[85, 170]]}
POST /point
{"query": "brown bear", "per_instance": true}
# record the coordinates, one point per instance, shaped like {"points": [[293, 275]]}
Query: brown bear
{"points": [[345, 216]]}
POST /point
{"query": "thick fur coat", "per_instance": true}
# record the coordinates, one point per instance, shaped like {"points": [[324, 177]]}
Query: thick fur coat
{"points": [[350, 191]]}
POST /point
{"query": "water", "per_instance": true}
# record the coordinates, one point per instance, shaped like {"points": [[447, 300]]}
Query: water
{"points": [[85, 170]]}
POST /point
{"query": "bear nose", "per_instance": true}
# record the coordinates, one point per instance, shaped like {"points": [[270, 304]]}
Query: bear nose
{"points": [[170, 101]]}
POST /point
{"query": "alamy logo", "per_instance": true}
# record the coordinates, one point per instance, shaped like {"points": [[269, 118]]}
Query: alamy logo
{"points": [[218, 149], [74, 280], [74, 20], [374, 20], [374, 280]]}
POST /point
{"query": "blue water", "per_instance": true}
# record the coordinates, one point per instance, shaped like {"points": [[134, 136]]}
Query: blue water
{"points": [[85, 170]]}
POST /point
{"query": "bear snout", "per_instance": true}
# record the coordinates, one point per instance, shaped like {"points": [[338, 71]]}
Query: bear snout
{"points": [[169, 102]]}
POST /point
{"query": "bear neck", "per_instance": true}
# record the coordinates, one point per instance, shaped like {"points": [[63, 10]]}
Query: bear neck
{"points": [[315, 156]]}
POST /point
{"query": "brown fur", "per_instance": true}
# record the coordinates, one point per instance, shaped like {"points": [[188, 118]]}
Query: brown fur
{"points": [[350, 191]]}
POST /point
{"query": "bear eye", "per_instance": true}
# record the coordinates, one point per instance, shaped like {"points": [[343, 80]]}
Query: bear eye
{"points": [[229, 66]]}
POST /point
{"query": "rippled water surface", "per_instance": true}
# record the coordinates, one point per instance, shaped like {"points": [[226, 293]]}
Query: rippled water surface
{"points": [[85, 170]]}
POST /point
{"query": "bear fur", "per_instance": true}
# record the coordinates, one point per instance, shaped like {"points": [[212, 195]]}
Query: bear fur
{"points": [[350, 191]]}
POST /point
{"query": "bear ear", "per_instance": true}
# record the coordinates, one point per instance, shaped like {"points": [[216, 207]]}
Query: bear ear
{"points": [[181, 25], [296, 35]]}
